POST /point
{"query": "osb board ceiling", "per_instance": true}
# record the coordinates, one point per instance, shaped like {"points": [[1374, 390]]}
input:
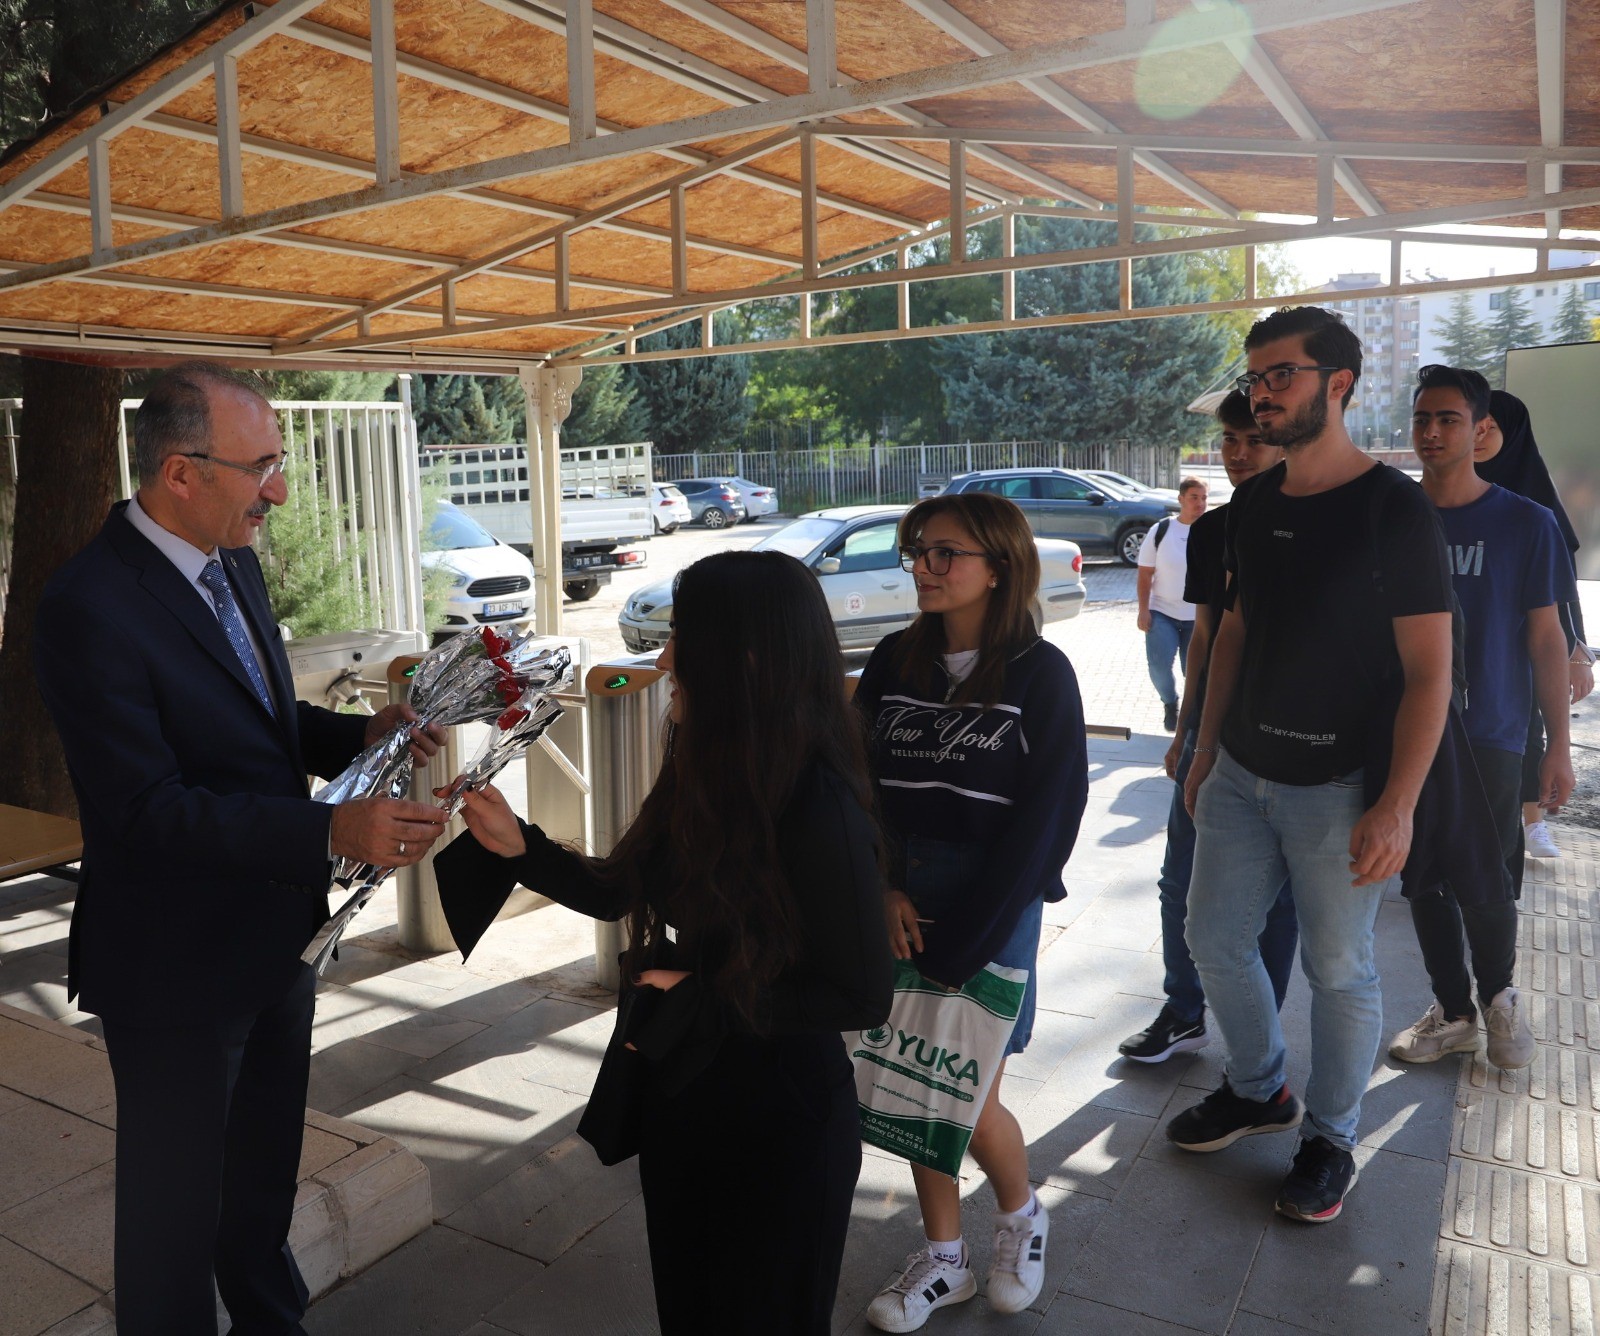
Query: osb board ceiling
{"points": [[322, 257]]}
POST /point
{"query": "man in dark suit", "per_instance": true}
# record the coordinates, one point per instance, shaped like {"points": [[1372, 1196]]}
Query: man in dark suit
{"points": [[206, 864]]}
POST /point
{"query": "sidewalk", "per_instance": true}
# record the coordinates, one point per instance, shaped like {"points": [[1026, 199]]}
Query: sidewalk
{"points": [[482, 1070]]}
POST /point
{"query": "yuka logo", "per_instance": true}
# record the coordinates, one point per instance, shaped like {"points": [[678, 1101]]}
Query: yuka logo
{"points": [[880, 1036], [939, 1061], [955, 731]]}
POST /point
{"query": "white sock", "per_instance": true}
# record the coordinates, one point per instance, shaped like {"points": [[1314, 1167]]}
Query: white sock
{"points": [[954, 1252], [1026, 1212]]}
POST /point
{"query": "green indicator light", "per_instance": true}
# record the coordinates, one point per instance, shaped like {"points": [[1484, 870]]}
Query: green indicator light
{"points": [[412, 671], [617, 683]]}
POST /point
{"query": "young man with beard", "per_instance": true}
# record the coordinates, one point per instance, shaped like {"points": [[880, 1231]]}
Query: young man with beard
{"points": [[1511, 574], [1181, 1026], [1334, 647]]}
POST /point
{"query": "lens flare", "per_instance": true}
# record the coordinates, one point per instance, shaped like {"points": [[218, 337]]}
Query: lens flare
{"points": [[1172, 85]]}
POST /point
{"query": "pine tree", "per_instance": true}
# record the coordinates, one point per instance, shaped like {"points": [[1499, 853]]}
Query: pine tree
{"points": [[1573, 322], [1511, 326], [315, 589], [691, 403], [1463, 342], [605, 410], [465, 410]]}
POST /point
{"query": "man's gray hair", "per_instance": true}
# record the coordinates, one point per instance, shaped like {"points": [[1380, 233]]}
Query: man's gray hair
{"points": [[176, 413]]}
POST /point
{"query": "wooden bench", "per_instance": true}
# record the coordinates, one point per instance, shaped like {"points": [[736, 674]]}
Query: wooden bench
{"points": [[38, 842]]}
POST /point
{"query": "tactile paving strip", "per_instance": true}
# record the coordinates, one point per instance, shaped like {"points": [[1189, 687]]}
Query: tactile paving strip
{"points": [[1520, 1239]]}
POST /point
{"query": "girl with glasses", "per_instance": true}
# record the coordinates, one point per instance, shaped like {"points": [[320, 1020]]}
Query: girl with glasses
{"points": [[977, 748]]}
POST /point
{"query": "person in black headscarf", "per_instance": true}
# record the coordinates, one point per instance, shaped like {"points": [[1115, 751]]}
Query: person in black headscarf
{"points": [[1509, 457]]}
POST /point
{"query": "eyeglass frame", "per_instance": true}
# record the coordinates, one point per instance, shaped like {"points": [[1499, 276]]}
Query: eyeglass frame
{"points": [[264, 474], [918, 552], [1247, 382]]}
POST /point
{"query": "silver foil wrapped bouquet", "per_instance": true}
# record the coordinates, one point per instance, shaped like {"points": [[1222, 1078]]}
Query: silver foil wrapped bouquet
{"points": [[504, 680]]}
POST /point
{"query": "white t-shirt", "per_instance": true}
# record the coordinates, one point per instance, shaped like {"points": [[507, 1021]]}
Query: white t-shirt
{"points": [[1171, 564]]}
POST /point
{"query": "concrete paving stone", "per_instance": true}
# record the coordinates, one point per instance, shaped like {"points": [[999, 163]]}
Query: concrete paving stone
{"points": [[1480, 1292], [1253, 1324], [424, 1034], [43, 1147], [95, 1320], [38, 1062], [1410, 1109], [357, 962], [600, 1285], [26, 890], [319, 1149], [381, 1196], [1088, 1150], [1495, 1129], [553, 1042], [1113, 921], [1072, 1316], [1082, 980], [1371, 1269], [37, 1295], [36, 924], [69, 1225], [468, 1143], [1522, 1214], [11, 1099], [487, 1329], [1052, 1040], [441, 1283], [94, 1092], [544, 1207], [1094, 1073], [1175, 1246], [343, 1074]]}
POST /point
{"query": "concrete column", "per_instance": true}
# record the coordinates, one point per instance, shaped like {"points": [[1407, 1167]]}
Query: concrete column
{"points": [[548, 394]]}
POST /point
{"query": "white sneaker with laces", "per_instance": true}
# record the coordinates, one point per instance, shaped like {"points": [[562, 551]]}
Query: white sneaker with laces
{"points": [[1540, 843], [927, 1283], [1017, 1274], [1434, 1037], [1510, 1036]]}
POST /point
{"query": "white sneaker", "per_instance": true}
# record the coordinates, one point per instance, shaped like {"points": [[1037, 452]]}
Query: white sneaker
{"points": [[1539, 842], [1510, 1037], [926, 1284], [1017, 1275], [1434, 1037]]}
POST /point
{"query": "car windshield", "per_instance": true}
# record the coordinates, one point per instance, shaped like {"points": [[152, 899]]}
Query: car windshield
{"points": [[799, 539], [1116, 483], [451, 531]]}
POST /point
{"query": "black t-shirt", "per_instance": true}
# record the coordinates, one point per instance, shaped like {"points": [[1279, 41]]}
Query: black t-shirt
{"points": [[1319, 642], [1206, 584]]}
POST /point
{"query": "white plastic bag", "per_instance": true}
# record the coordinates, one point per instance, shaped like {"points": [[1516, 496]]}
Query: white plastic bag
{"points": [[923, 1075]]}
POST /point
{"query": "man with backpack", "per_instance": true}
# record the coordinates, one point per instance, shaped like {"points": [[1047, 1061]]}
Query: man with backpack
{"points": [[1166, 620], [1328, 663], [1511, 574]]}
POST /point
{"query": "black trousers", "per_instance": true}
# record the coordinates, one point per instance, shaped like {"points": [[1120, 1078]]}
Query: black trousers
{"points": [[748, 1176], [210, 1116], [1491, 929]]}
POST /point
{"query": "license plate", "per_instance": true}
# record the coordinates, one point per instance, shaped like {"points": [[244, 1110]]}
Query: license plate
{"points": [[503, 609]]}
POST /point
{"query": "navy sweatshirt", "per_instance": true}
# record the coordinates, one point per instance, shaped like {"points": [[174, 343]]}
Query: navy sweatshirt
{"points": [[1013, 778]]}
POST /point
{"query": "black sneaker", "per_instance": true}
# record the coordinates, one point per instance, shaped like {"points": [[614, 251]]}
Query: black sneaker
{"points": [[1222, 1117], [1318, 1182], [1166, 1035], [1169, 716]]}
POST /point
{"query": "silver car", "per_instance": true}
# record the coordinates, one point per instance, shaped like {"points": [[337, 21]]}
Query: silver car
{"points": [[854, 551]]}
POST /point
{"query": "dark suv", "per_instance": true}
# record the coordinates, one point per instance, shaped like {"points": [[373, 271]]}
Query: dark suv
{"points": [[713, 502], [1063, 504]]}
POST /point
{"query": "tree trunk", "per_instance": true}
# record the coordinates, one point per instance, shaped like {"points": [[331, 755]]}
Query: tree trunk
{"points": [[66, 480]]}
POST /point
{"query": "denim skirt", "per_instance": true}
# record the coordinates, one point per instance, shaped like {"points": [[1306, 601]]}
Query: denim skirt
{"points": [[940, 875]]}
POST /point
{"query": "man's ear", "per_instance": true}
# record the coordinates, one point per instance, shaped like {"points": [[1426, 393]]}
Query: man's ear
{"points": [[179, 475], [1340, 382]]}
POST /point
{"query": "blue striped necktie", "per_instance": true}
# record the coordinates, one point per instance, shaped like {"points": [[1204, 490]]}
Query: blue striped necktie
{"points": [[214, 578]]}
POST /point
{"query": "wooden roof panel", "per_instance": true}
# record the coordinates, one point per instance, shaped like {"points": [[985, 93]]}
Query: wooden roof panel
{"points": [[700, 39], [249, 263], [132, 308], [31, 235]]}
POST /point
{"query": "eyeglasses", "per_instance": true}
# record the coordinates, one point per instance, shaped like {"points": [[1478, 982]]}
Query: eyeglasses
{"points": [[937, 558], [1275, 378], [263, 475]]}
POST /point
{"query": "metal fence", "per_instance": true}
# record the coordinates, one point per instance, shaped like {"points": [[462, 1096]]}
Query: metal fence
{"points": [[363, 458], [899, 474]]}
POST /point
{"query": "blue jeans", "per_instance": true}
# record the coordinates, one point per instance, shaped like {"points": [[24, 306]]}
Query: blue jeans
{"points": [[1278, 938], [1166, 637], [939, 874], [1251, 834]]}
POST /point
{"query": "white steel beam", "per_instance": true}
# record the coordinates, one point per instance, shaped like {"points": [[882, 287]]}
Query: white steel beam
{"points": [[1260, 234], [1269, 79], [1549, 32], [958, 200], [680, 251], [808, 205], [580, 69], [962, 76], [385, 94], [822, 48], [953, 22], [229, 171], [100, 196]]}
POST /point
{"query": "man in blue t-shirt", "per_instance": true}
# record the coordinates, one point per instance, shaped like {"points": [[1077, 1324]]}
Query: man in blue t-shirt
{"points": [[1510, 570]]}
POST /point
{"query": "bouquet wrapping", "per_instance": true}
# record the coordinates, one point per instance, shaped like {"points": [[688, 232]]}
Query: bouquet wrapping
{"points": [[505, 680]]}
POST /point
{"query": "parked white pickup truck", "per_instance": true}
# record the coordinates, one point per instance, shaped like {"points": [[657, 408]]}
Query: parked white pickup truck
{"points": [[605, 503]]}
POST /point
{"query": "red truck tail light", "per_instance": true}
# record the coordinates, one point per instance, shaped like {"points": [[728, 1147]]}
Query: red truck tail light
{"points": [[1077, 564]]}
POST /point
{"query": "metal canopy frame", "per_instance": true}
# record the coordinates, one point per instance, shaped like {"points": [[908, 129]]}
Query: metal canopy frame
{"points": [[902, 129]]}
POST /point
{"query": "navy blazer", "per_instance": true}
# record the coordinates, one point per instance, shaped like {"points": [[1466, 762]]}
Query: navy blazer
{"points": [[205, 868]]}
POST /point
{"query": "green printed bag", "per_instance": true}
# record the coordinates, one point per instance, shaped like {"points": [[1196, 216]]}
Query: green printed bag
{"points": [[923, 1075]]}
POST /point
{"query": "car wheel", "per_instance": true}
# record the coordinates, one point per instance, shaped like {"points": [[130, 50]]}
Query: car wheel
{"points": [[581, 591], [667, 528], [1129, 541], [713, 517]]}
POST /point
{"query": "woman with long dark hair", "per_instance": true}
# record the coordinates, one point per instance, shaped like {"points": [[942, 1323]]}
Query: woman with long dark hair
{"points": [[977, 746], [1509, 457], [750, 882]]}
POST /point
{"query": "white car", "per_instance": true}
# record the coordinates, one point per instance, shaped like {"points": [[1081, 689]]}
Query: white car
{"points": [[854, 551], [759, 501], [668, 507], [491, 582]]}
